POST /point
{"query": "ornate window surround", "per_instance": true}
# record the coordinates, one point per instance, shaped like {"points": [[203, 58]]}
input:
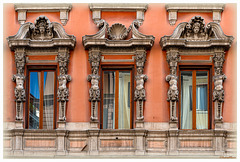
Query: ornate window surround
{"points": [[194, 38], [23, 8], [110, 41], [43, 38], [174, 8]]}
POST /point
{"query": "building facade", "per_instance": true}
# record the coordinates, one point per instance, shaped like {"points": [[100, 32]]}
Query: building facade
{"points": [[135, 80]]}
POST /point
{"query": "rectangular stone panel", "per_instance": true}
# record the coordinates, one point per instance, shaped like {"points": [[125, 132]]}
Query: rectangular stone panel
{"points": [[77, 144], [116, 143], [39, 143], [156, 144], [6, 143], [196, 143], [231, 144]]}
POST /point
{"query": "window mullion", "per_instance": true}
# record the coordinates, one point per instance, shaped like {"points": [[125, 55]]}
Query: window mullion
{"points": [[41, 100], [194, 99], [116, 98]]}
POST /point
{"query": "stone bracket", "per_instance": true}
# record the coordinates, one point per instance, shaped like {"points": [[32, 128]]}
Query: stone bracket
{"points": [[22, 10], [173, 9], [139, 8]]}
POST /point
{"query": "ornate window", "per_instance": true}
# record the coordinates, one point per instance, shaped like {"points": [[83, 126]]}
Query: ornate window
{"points": [[41, 43], [108, 46], [195, 43]]}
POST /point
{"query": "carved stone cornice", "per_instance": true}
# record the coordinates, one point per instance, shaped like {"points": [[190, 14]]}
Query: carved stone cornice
{"points": [[104, 38], [195, 34], [174, 8], [53, 35], [23, 8]]}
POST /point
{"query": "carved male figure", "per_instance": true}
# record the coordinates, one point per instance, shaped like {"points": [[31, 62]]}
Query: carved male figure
{"points": [[94, 91], [218, 92], [139, 93], [19, 89], [62, 89], [173, 89]]}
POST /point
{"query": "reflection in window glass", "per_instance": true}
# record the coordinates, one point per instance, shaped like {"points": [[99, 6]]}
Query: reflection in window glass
{"points": [[186, 100], [201, 100], [48, 100], [124, 99], [109, 100], [34, 103]]}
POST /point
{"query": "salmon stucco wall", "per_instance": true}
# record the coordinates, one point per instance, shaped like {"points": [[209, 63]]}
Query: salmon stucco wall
{"points": [[155, 23]]}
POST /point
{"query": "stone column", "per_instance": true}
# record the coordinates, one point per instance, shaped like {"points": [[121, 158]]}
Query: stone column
{"points": [[172, 95], [220, 136], [63, 92], [218, 92], [94, 91], [139, 93], [20, 96]]}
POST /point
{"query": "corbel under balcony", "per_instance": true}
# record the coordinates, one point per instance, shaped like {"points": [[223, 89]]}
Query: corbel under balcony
{"points": [[23, 8], [139, 8], [174, 8]]}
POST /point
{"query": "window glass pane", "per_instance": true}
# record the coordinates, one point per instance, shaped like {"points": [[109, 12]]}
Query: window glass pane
{"points": [[48, 100], [109, 100], [202, 100], [124, 99], [34, 103], [186, 100]]}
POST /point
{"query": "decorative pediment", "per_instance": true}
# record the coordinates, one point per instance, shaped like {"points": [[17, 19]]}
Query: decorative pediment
{"points": [[115, 36], [42, 33], [196, 34]]}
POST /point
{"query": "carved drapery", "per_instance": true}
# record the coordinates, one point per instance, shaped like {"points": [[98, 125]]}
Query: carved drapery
{"points": [[194, 36], [41, 36], [113, 38]]}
